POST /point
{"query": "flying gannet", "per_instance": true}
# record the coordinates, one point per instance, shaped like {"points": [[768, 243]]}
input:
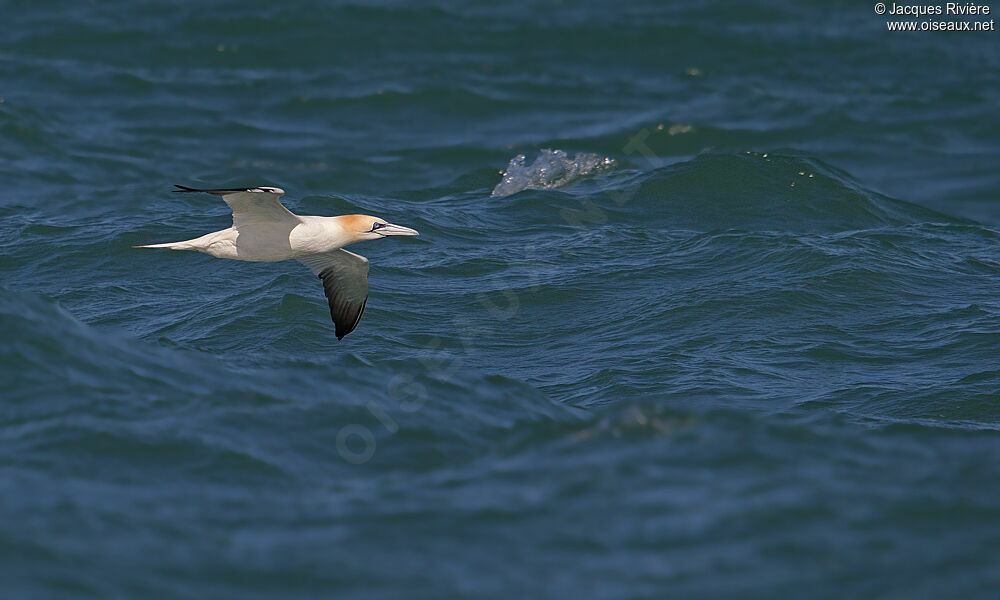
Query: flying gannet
{"points": [[265, 231]]}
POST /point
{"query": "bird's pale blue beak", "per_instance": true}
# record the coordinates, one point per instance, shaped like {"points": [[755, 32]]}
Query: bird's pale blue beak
{"points": [[391, 229]]}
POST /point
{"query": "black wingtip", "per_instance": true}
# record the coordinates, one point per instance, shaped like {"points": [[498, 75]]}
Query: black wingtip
{"points": [[219, 191]]}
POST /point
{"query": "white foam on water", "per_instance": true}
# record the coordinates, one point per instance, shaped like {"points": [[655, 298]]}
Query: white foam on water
{"points": [[552, 169]]}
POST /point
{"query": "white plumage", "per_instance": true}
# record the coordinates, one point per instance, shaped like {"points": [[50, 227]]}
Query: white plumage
{"points": [[265, 231]]}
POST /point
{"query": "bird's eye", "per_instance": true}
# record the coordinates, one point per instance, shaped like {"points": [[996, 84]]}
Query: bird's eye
{"points": [[377, 226]]}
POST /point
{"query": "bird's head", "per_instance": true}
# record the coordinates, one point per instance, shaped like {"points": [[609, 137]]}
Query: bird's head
{"points": [[365, 227]]}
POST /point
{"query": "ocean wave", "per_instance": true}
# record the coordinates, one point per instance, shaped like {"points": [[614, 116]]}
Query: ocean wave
{"points": [[551, 169], [89, 389]]}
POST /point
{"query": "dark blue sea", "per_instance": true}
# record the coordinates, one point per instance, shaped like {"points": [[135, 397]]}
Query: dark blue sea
{"points": [[706, 302]]}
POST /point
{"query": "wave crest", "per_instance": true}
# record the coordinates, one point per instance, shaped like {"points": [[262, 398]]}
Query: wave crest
{"points": [[552, 169]]}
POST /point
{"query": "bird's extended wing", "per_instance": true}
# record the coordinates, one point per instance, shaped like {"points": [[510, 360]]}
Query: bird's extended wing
{"points": [[345, 281], [251, 205]]}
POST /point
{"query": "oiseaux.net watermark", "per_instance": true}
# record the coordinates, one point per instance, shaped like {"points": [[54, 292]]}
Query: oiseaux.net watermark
{"points": [[356, 443], [947, 16]]}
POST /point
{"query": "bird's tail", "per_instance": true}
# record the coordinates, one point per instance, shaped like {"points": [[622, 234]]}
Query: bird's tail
{"points": [[170, 246]]}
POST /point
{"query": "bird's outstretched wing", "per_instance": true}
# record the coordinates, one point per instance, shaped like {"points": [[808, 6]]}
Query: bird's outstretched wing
{"points": [[345, 281], [251, 205]]}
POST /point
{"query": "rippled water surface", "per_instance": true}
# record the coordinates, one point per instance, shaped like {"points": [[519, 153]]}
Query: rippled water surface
{"points": [[706, 303]]}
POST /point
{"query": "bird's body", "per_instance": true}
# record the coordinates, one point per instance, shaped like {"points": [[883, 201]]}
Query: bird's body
{"points": [[270, 241], [265, 231]]}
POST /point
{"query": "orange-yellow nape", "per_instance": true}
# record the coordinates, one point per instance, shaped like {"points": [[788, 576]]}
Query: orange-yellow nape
{"points": [[359, 224]]}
